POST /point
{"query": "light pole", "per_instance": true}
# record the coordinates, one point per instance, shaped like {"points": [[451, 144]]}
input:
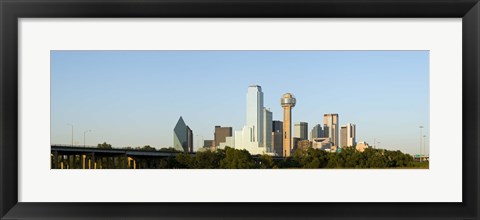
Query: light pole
{"points": [[72, 131], [84, 133], [421, 136], [424, 148]]}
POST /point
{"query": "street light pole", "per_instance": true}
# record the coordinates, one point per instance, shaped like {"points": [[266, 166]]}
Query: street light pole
{"points": [[72, 132], [424, 148], [421, 136], [84, 133]]}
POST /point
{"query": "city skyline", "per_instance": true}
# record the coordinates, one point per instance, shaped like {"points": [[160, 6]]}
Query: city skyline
{"points": [[121, 95]]}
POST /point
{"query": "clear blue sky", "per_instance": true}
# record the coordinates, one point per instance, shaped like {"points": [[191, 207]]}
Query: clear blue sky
{"points": [[134, 98]]}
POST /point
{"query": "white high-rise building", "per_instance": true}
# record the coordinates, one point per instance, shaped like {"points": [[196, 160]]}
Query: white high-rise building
{"points": [[251, 137], [351, 134], [348, 135], [255, 112]]}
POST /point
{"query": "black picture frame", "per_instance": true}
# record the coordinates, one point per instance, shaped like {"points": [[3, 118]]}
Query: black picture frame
{"points": [[12, 10]]}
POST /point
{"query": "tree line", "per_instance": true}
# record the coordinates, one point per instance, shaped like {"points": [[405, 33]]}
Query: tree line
{"points": [[305, 158], [104, 145], [230, 158]]}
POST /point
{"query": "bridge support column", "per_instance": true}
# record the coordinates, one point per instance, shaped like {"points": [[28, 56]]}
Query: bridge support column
{"points": [[71, 162], [109, 163], [62, 161], [55, 160], [84, 158], [124, 162], [103, 162], [92, 161]]}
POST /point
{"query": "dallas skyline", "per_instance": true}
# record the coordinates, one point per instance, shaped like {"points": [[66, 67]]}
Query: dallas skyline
{"points": [[134, 98]]}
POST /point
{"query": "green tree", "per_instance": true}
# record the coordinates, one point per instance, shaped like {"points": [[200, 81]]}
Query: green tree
{"points": [[104, 146], [288, 162], [147, 148], [184, 160], [265, 162], [237, 159], [311, 158], [207, 160], [169, 149]]}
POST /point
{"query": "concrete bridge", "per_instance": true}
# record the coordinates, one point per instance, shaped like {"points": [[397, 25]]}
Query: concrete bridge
{"points": [[79, 157]]}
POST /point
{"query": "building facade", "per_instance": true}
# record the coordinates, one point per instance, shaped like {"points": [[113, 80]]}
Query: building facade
{"points": [[208, 143], [190, 140], [317, 132], [343, 136], [277, 126], [348, 135], [255, 112], [321, 143], [267, 129], [182, 136], [229, 142], [300, 130], [221, 134], [251, 137], [351, 135], [277, 138], [330, 127]]}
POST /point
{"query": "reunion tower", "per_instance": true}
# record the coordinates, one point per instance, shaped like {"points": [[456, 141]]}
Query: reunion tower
{"points": [[288, 102]]}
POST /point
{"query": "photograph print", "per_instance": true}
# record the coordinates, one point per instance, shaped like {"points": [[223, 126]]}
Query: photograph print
{"points": [[238, 109]]}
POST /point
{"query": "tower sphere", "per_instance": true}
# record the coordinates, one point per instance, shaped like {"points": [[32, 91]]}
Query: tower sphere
{"points": [[288, 100]]}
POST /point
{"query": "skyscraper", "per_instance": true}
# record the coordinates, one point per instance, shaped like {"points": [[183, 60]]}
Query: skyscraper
{"points": [[343, 136], [317, 132], [287, 101], [300, 130], [251, 137], [221, 134], [351, 135], [347, 135], [255, 112], [330, 127], [277, 126], [277, 137], [182, 136], [267, 129], [190, 140]]}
